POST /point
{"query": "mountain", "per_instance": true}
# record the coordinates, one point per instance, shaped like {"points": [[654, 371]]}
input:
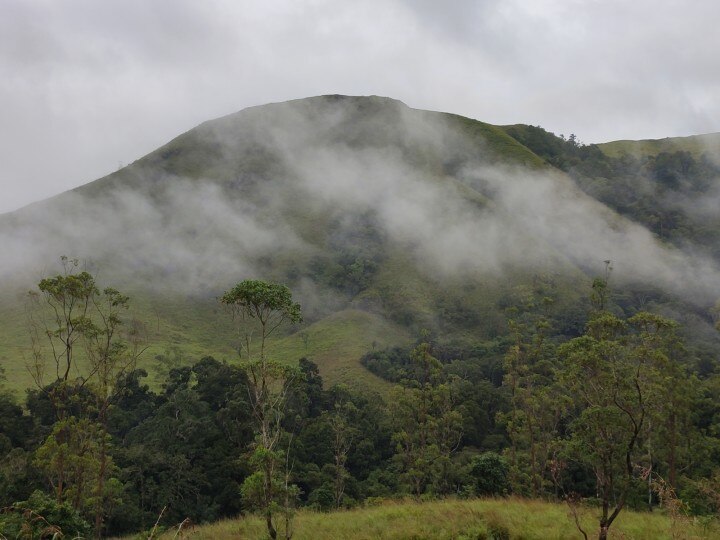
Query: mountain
{"points": [[384, 220]]}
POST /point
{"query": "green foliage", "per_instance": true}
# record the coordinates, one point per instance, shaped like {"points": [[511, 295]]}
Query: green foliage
{"points": [[269, 303], [489, 473], [180, 449], [70, 298], [618, 376], [536, 411], [427, 428], [69, 459], [42, 517]]}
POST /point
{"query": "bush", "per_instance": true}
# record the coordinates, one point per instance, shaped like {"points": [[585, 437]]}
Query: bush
{"points": [[322, 499], [42, 517], [489, 474]]}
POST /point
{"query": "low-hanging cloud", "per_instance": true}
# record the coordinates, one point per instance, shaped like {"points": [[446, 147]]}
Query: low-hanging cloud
{"points": [[199, 235], [188, 238]]}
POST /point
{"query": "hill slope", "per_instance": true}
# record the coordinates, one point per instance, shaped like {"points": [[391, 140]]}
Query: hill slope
{"points": [[697, 145], [383, 219]]}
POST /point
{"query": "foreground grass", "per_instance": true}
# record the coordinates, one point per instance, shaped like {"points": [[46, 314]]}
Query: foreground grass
{"points": [[460, 519]]}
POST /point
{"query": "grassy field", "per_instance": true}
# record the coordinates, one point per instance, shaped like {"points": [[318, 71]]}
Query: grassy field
{"points": [[461, 519]]}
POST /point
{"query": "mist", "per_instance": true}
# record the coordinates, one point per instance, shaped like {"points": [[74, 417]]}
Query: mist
{"points": [[332, 160]]}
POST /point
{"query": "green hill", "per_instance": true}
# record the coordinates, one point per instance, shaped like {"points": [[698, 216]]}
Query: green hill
{"points": [[384, 220], [697, 145]]}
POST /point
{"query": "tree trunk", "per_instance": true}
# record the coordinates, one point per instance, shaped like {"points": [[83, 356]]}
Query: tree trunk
{"points": [[100, 510], [268, 520], [672, 458]]}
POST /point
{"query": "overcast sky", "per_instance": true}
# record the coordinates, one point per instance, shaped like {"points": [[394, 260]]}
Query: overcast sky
{"points": [[86, 86]]}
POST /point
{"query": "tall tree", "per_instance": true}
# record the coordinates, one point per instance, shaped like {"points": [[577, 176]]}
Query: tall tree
{"points": [[340, 420], [535, 408], [60, 316], [79, 341], [261, 308], [428, 426], [112, 351], [615, 374]]}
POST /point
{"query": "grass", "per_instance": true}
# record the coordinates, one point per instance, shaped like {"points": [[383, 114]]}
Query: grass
{"points": [[191, 329], [696, 145], [459, 519], [502, 146], [337, 342]]}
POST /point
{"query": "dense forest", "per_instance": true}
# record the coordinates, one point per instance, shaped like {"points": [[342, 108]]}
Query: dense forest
{"points": [[617, 416]]}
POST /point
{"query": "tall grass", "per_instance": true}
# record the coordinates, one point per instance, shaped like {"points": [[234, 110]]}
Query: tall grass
{"points": [[458, 519]]}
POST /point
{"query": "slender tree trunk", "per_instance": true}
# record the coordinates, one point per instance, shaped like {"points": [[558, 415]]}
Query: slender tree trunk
{"points": [[672, 458], [102, 471]]}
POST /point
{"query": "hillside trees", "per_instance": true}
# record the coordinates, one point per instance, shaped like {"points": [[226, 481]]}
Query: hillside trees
{"points": [[263, 307], [428, 427], [343, 434], [16, 435], [536, 410], [179, 449], [604, 415]]}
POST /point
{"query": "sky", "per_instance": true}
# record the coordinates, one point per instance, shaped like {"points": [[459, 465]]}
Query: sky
{"points": [[87, 87]]}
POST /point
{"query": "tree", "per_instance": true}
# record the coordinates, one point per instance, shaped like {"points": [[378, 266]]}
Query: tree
{"points": [[535, 410], [69, 457], [489, 473], [615, 375], [343, 433], [68, 298], [42, 517], [72, 319], [427, 426], [16, 435], [263, 307], [111, 356]]}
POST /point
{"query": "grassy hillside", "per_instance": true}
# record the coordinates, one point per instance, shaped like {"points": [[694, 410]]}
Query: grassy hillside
{"points": [[697, 145], [466, 520]]}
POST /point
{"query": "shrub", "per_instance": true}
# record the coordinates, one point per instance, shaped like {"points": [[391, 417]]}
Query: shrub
{"points": [[489, 474], [42, 517]]}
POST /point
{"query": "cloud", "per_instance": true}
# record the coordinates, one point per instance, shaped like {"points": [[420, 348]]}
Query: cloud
{"points": [[189, 238], [86, 86], [332, 160]]}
